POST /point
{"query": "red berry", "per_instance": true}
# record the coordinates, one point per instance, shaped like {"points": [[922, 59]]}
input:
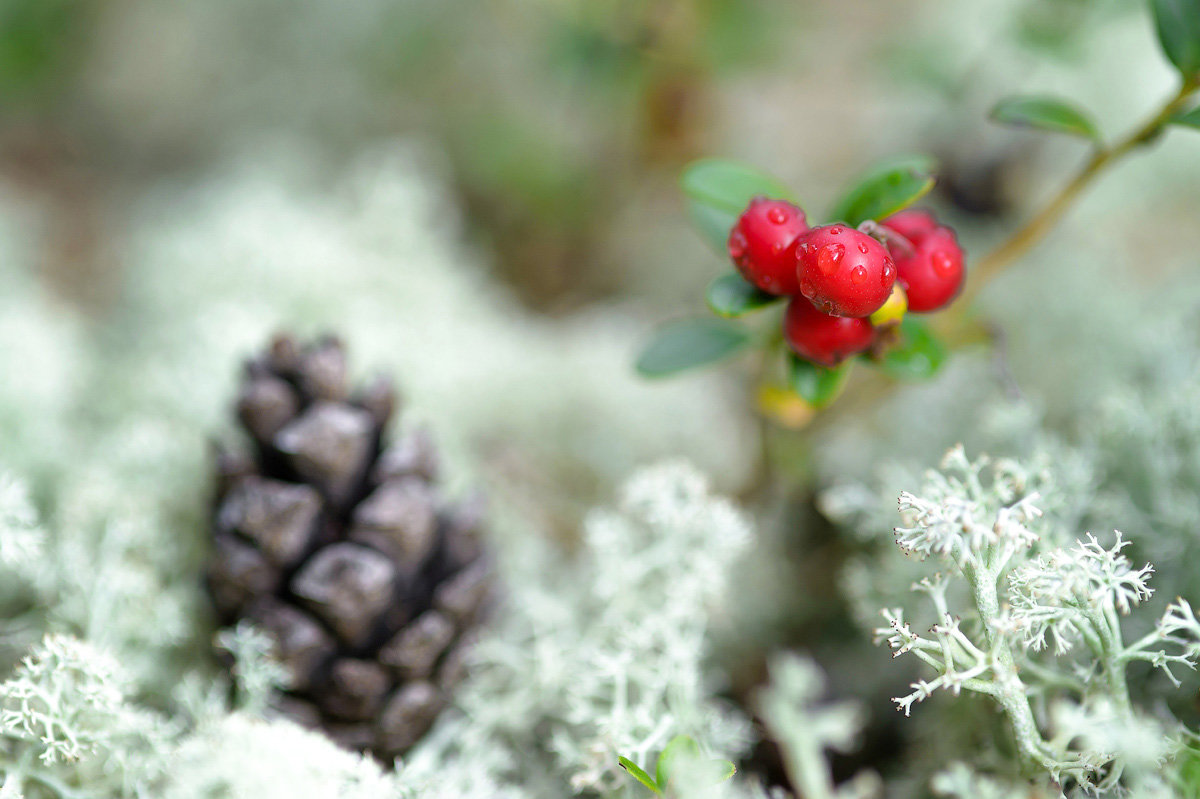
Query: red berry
{"points": [[823, 339], [763, 244], [932, 272], [912, 224], [844, 271]]}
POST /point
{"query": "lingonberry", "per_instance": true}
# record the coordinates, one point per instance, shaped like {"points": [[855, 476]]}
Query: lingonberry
{"points": [[929, 262], [912, 223], [763, 244], [843, 271], [821, 338]]}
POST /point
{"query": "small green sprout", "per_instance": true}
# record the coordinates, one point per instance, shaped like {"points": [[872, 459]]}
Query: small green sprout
{"points": [[680, 752]]}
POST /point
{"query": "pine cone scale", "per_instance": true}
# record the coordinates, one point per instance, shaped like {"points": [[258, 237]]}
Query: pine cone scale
{"points": [[348, 586], [400, 519], [279, 518], [415, 650]]}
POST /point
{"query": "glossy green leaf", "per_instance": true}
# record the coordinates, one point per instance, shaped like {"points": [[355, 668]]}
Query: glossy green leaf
{"points": [[1045, 113], [817, 385], [713, 224], [689, 343], [731, 296], [1178, 26], [919, 354], [890, 187], [1190, 119], [638, 774], [679, 746], [729, 185], [717, 192]]}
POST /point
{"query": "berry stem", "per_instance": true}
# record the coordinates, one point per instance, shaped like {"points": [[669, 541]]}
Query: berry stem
{"points": [[1028, 236], [764, 466], [888, 236]]}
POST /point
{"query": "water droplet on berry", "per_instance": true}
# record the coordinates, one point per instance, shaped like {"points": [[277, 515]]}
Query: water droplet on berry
{"points": [[885, 276], [777, 215], [858, 275], [862, 247], [806, 287], [836, 230], [737, 245], [829, 257], [942, 264]]}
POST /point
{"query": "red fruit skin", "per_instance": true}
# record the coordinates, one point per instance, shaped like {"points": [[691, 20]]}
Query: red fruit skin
{"points": [[933, 276], [763, 244], [932, 272], [821, 338], [843, 271], [913, 224]]}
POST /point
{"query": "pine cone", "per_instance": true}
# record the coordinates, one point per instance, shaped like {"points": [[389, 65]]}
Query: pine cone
{"points": [[343, 551]]}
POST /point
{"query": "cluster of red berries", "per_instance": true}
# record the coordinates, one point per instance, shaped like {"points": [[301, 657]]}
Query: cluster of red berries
{"points": [[847, 286]]}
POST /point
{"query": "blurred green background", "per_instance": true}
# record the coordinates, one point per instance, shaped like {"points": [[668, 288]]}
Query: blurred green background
{"points": [[560, 125]]}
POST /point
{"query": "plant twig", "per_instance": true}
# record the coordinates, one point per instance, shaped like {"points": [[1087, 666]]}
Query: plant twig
{"points": [[1029, 235]]}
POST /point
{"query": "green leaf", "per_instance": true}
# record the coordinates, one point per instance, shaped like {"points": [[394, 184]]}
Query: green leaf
{"points": [[918, 356], [889, 187], [712, 223], [1178, 26], [689, 343], [717, 192], [729, 185], [679, 745], [1189, 118], [1045, 113], [731, 296], [817, 385], [638, 774]]}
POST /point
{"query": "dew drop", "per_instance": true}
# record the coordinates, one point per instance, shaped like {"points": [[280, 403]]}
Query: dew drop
{"points": [[942, 264], [886, 274], [806, 287], [777, 215], [862, 247], [858, 275], [829, 257], [737, 245], [836, 230]]}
